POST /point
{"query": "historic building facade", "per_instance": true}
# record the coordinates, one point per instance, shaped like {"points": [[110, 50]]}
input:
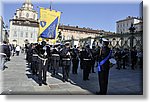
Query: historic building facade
{"points": [[77, 34], [122, 26], [24, 27]]}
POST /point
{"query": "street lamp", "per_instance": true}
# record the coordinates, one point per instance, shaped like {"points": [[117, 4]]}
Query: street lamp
{"points": [[101, 36], [60, 36], [132, 29]]}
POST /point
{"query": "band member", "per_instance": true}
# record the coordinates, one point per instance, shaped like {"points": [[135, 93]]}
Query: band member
{"points": [[103, 67], [34, 62], [133, 57], [55, 58], [124, 58], [118, 57], [81, 58], [87, 56], [94, 55], [66, 61], [75, 60], [43, 55]]}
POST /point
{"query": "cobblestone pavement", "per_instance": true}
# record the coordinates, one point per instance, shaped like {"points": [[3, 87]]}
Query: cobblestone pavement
{"points": [[17, 79]]}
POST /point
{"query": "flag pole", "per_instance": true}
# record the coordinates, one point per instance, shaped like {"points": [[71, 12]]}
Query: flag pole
{"points": [[50, 5]]}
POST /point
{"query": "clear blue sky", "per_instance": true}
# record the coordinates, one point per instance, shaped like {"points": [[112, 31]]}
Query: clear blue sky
{"points": [[93, 15]]}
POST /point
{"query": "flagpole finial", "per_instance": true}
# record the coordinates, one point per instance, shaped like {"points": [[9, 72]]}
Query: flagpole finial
{"points": [[50, 5]]}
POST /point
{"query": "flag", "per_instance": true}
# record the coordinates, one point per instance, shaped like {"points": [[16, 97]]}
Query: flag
{"points": [[49, 21]]}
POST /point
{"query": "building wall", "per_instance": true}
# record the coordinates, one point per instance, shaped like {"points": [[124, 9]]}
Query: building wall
{"points": [[21, 33], [68, 34], [23, 29], [138, 27], [124, 25]]}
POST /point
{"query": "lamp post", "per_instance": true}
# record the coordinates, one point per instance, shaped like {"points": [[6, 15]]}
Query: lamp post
{"points": [[101, 36], [60, 36], [131, 29]]}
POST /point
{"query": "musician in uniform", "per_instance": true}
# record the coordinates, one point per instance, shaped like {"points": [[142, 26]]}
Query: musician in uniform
{"points": [[75, 60], [94, 55], [55, 58], [124, 57], [86, 55], [66, 61], [34, 61], [118, 57], [103, 68], [43, 52]]}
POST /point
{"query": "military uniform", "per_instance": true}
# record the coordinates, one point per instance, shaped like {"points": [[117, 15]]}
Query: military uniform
{"points": [[55, 58], [43, 55], [104, 73], [94, 55], [133, 58], [75, 61], [86, 56], [118, 57], [66, 62], [34, 62]]}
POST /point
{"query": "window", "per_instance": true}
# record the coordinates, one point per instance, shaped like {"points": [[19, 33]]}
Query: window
{"points": [[21, 35], [31, 35], [34, 16], [27, 15], [15, 34], [19, 14], [26, 34]]}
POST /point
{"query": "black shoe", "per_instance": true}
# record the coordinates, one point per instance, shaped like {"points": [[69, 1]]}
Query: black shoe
{"points": [[67, 80], [44, 83], [63, 80], [40, 84], [98, 93]]}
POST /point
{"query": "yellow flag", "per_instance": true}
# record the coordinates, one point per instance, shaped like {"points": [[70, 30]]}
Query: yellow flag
{"points": [[49, 21]]}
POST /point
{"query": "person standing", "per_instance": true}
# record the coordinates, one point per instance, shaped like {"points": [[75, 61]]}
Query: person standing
{"points": [[124, 58], [4, 54], [6, 49], [133, 58], [17, 50], [75, 60], [66, 61], [43, 52], [94, 54], [81, 53], [34, 61], [55, 58], [103, 67], [86, 56], [118, 58]]}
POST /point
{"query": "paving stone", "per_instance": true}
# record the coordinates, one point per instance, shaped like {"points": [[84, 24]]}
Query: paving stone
{"points": [[17, 79]]}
